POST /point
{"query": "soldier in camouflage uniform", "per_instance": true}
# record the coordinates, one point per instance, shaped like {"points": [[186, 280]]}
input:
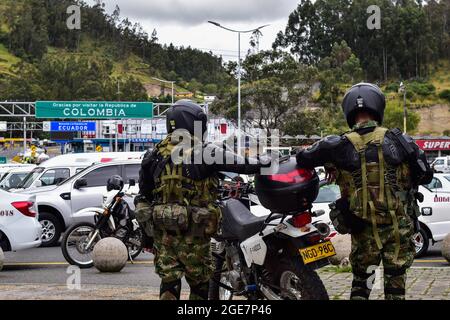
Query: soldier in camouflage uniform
{"points": [[177, 203], [378, 171]]}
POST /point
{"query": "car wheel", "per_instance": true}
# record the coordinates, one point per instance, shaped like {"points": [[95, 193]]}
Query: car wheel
{"points": [[421, 242], [51, 229]]}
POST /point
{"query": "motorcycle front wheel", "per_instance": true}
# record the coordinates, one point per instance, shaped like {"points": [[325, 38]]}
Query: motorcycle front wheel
{"points": [[74, 244]]}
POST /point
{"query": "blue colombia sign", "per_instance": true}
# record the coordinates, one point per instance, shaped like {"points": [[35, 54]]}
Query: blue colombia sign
{"points": [[72, 126]]}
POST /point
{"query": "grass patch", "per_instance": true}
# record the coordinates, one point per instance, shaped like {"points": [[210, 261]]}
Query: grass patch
{"points": [[337, 269]]}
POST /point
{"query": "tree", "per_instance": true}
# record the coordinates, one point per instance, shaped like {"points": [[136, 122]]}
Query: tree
{"points": [[210, 88], [274, 87], [28, 37], [194, 86], [412, 35], [340, 68], [305, 122]]}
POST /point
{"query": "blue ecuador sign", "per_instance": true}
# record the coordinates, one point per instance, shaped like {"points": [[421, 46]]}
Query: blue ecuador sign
{"points": [[72, 126]]}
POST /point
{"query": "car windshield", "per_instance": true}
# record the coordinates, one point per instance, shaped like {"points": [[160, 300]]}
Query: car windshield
{"points": [[30, 178], [2, 176], [328, 193], [76, 175], [12, 180]]}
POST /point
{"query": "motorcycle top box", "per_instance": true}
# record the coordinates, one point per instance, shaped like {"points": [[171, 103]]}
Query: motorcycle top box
{"points": [[291, 189]]}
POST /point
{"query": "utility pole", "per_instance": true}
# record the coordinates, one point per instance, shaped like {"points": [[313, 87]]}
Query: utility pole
{"points": [[24, 135], [117, 122], [403, 90], [170, 82], [239, 73]]}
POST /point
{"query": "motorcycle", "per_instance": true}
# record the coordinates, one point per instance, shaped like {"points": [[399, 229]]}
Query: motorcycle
{"points": [[114, 219], [273, 256]]}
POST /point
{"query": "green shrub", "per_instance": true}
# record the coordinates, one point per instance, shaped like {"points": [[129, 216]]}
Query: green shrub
{"points": [[392, 87], [421, 88], [445, 95]]}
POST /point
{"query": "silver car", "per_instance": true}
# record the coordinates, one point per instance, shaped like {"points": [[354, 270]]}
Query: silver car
{"points": [[58, 205]]}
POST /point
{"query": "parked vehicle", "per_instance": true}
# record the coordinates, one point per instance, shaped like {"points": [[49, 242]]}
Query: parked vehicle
{"points": [[440, 182], [115, 219], [5, 168], [19, 225], [272, 256], [435, 218], [57, 169], [14, 177], [60, 205], [441, 164]]}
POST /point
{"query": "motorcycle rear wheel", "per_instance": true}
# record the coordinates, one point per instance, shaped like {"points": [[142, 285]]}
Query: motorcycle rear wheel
{"points": [[298, 281], [135, 249]]}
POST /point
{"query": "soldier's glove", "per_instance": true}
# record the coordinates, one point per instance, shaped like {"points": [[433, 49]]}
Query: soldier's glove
{"points": [[147, 242]]}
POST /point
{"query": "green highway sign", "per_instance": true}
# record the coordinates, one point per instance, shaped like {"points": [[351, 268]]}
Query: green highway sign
{"points": [[93, 110], [3, 160]]}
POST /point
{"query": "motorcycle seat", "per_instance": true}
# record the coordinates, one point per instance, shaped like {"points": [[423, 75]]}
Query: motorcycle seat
{"points": [[238, 223]]}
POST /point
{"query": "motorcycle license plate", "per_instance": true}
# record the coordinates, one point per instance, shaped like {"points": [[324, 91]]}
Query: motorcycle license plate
{"points": [[317, 252]]}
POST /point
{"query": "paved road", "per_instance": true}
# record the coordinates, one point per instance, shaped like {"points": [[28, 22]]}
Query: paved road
{"points": [[42, 274], [47, 266]]}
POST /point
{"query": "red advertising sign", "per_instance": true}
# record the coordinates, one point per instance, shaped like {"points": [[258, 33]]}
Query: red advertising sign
{"points": [[434, 144]]}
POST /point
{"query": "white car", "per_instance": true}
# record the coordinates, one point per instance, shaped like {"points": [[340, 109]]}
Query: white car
{"points": [[19, 225], [441, 164], [60, 206], [14, 177], [59, 168], [327, 194], [435, 218], [440, 182]]}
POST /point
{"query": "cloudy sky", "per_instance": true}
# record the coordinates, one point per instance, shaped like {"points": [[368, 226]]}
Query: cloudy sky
{"points": [[184, 22]]}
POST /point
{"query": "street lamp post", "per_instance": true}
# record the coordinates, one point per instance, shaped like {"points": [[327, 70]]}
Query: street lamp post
{"points": [[165, 81], [238, 73], [403, 90]]}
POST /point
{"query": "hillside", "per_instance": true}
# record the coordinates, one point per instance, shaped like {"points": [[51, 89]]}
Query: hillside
{"points": [[7, 60], [423, 98], [36, 30]]}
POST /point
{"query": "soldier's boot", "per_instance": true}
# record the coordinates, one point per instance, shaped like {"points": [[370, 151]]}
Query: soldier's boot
{"points": [[199, 291], [360, 288], [394, 284], [170, 290]]}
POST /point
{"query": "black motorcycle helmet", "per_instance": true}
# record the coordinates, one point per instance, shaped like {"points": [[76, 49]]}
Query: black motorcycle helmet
{"points": [[114, 183], [364, 97], [183, 114]]}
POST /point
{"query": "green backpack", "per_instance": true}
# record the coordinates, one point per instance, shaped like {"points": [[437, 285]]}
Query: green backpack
{"points": [[375, 191], [181, 202]]}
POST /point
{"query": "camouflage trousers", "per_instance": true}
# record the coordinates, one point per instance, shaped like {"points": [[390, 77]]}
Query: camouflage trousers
{"points": [[365, 257], [183, 255]]}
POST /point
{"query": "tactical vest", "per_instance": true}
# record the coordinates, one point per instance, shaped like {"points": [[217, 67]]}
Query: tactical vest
{"points": [[173, 187], [376, 191]]}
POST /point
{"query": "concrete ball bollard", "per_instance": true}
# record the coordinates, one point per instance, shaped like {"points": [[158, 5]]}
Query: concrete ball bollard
{"points": [[2, 259], [343, 245], [446, 248], [110, 255]]}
